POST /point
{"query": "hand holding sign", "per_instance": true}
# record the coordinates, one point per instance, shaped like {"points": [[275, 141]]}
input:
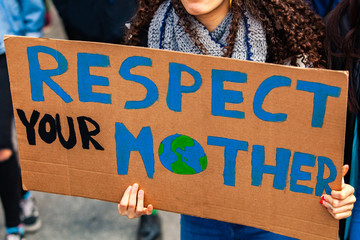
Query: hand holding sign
{"points": [[132, 203], [340, 203]]}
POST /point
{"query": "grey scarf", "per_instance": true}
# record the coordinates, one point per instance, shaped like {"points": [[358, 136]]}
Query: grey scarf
{"points": [[166, 33]]}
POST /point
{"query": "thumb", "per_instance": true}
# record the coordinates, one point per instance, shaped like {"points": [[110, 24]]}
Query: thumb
{"points": [[345, 169]]}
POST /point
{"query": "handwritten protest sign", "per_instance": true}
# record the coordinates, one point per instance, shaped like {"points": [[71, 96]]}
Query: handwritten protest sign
{"points": [[242, 142]]}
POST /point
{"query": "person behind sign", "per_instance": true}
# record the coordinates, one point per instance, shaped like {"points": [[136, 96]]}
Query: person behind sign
{"points": [[255, 30], [343, 50], [323, 7], [17, 17]]}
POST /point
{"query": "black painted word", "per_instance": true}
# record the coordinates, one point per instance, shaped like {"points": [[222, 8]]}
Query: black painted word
{"points": [[49, 134]]}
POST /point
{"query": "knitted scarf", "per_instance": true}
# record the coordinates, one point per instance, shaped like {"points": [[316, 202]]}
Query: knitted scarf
{"points": [[166, 33]]}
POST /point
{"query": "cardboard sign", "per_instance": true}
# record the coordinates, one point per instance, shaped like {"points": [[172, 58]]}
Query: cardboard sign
{"points": [[242, 142]]}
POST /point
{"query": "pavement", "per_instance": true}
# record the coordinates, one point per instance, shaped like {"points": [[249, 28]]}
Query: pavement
{"points": [[73, 218]]}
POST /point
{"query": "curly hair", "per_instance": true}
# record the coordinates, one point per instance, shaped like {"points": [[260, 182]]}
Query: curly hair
{"points": [[292, 28]]}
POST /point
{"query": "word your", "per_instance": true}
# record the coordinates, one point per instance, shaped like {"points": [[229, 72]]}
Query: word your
{"points": [[50, 133]]}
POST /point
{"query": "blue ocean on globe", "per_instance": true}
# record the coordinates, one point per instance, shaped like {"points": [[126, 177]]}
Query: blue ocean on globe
{"points": [[182, 155]]}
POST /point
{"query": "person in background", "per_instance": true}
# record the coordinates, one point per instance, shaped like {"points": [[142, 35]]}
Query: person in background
{"points": [[323, 7], [343, 51], [23, 18], [48, 17], [95, 20], [254, 30], [104, 21]]}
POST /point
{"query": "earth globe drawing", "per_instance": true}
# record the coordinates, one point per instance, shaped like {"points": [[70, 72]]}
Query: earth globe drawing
{"points": [[181, 154]]}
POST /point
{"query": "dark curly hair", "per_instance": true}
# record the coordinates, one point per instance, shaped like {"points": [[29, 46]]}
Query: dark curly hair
{"points": [[292, 28]]}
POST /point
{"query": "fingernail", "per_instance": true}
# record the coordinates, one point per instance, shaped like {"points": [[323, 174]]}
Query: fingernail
{"points": [[323, 197], [136, 185], [321, 202], [141, 192], [128, 189]]}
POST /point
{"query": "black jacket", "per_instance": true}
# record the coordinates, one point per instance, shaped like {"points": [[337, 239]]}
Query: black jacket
{"points": [[96, 20]]}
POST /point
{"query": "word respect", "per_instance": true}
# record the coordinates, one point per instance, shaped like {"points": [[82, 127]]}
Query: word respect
{"points": [[220, 96]]}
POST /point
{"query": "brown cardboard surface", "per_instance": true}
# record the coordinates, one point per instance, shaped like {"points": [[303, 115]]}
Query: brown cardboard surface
{"points": [[94, 174]]}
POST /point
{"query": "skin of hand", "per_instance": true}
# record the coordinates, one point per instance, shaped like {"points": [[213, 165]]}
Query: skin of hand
{"points": [[5, 154], [340, 203], [132, 203]]}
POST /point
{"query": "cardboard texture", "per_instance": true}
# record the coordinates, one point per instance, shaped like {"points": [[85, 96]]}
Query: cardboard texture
{"points": [[202, 132]]}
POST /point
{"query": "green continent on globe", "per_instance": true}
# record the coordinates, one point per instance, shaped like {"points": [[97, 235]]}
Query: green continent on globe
{"points": [[179, 166], [161, 149], [203, 162], [182, 142]]}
